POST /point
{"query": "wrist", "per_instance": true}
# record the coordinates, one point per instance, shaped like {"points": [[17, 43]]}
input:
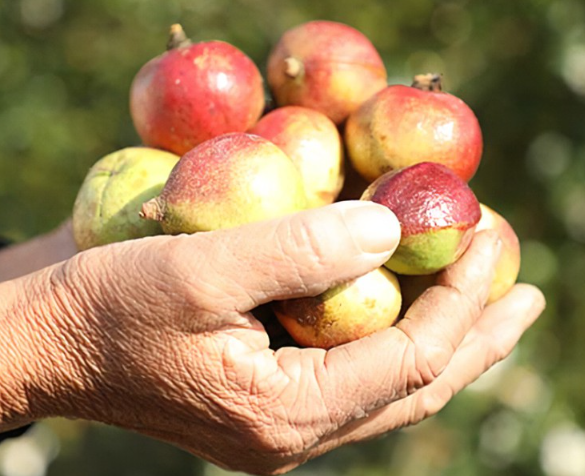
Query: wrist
{"points": [[24, 258]]}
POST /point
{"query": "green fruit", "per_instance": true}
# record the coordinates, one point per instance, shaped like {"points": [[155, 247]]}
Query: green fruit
{"points": [[107, 206]]}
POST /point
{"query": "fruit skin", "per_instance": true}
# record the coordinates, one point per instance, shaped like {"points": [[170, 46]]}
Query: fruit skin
{"points": [[313, 143], [343, 313], [402, 126], [225, 182], [109, 200], [195, 92], [508, 265], [437, 212], [327, 66]]}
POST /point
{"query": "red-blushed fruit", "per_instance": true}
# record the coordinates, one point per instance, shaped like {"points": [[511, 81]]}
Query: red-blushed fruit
{"points": [[437, 212], [312, 142], [225, 182], [402, 126], [327, 66], [508, 265], [344, 313], [194, 92]]}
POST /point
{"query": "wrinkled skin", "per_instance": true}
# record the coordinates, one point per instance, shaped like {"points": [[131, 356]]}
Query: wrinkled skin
{"points": [[156, 335]]}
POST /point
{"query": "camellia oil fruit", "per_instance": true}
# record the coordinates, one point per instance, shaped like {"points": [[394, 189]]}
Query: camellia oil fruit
{"points": [[108, 203], [312, 142], [225, 182], [327, 66], [194, 92], [344, 313], [437, 212], [508, 265], [405, 125]]}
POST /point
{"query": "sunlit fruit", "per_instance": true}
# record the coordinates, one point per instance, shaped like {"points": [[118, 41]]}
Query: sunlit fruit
{"points": [[437, 212], [193, 92], [343, 313], [225, 182], [313, 143], [403, 125], [508, 265], [109, 200], [327, 66]]}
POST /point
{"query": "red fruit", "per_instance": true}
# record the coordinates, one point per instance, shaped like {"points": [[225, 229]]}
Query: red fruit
{"points": [[437, 212], [195, 92], [326, 66], [402, 126]]}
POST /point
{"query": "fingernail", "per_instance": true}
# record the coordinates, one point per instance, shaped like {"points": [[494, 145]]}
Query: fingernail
{"points": [[374, 227]]}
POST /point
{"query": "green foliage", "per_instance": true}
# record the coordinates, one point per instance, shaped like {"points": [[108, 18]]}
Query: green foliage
{"points": [[65, 71]]}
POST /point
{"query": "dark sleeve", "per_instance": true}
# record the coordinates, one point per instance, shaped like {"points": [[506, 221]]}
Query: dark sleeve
{"points": [[17, 431]]}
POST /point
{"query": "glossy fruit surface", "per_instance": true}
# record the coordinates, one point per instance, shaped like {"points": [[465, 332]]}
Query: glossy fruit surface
{"points": [[194, 92], [225, 182], [402, 126], [313, 143], [344, 313], [327, 66], [437, 212], [108, 203]]}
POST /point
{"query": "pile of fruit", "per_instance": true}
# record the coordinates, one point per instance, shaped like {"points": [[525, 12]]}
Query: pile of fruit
{"points": [[214, 157]]}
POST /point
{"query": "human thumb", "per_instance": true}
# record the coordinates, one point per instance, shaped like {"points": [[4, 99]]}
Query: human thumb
{"points": [[301, 254]]}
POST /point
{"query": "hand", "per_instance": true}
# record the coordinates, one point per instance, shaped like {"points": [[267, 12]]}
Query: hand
{"points": [[156, 336]]}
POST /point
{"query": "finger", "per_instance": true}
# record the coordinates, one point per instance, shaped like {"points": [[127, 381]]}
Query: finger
{"points": [[301, 254], [361, 376], [438, 320], [493, 338], [466, 276]]}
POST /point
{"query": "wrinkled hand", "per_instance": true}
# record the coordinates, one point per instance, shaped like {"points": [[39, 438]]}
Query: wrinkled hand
{"points": [[157, 336]]}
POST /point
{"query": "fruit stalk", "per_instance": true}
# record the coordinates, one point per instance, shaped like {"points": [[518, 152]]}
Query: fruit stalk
{"points": [[428, 82], [177, 37], [293, 68], [152, 210]]}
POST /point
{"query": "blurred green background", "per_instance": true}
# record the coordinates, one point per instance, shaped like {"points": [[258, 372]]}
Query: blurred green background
{"points": [[65, 71]]}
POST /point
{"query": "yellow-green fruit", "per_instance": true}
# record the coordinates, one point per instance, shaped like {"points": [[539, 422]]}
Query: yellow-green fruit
{"points": [[343, 313], [508, 265], [107, 206]]}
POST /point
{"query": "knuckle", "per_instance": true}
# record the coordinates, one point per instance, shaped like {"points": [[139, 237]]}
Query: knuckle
{"points": [[422, 362], [278, 441], [430, 403], [170, 253], [302, 239]]}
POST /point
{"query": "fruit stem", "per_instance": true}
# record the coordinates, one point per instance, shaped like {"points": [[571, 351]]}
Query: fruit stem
{"points": [[152, 210], [177, 37], [292, 67], [428, 82]]}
